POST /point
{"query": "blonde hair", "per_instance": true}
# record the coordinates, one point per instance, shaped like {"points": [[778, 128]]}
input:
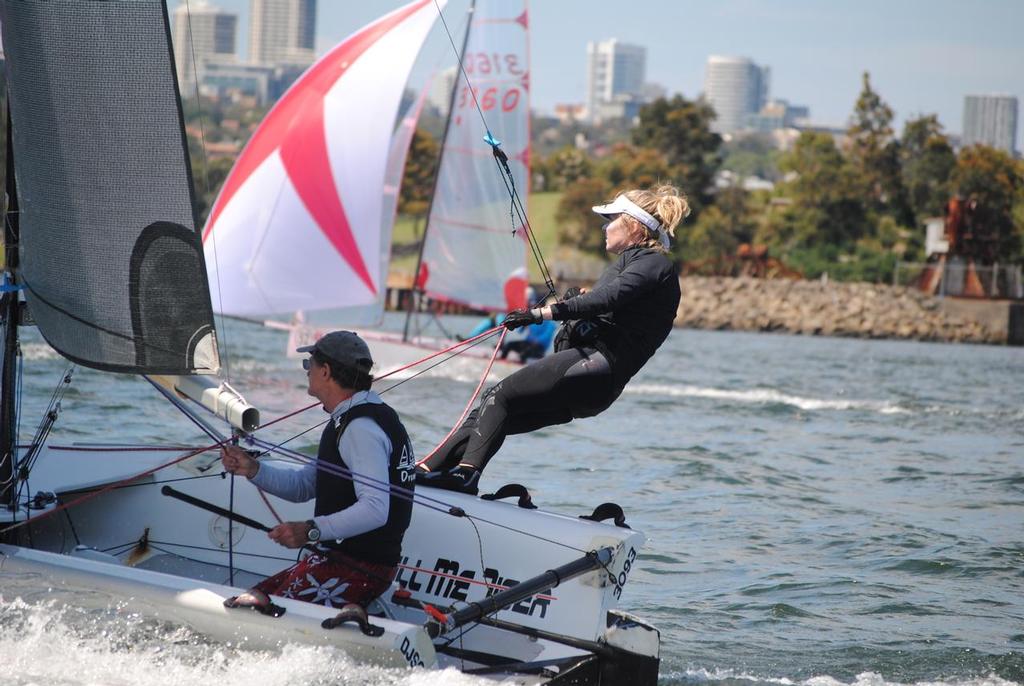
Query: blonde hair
{"points": [[665, 203]]}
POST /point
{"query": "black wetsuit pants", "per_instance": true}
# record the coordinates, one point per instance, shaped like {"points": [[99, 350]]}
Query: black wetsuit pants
{"points": [[573, 383]]}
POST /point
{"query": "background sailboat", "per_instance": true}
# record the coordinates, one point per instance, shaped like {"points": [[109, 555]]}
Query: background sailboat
{"points": [[279, 241]]}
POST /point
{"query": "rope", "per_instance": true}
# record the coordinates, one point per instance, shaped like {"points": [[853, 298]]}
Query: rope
{"points": [[472, 400], [220, 443]]}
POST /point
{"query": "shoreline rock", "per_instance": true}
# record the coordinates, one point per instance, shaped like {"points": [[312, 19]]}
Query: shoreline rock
{"points": [[814, 308]]}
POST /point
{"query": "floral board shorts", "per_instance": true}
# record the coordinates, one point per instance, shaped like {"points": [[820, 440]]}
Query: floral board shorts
{"points": [[331, 579]]}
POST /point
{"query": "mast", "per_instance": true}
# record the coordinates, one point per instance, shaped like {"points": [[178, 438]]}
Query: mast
{"points": [[414, 302], [9, 316]]}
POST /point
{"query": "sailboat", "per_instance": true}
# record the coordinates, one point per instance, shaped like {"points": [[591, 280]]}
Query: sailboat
{"points": [[105, 258], [304, 219]]}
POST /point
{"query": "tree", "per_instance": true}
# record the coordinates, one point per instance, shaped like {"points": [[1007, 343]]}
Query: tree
{"points": [[209, 176], [579, 227], [681, 130], [566, 166], [418, 179], [993, 180], [874, 154], [720, 229], [826, 194], [630, 167], [752, 155], [927, 161]]}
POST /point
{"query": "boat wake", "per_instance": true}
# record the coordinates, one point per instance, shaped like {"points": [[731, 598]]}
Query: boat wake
{"points": [[62, 644], [768, 397]]}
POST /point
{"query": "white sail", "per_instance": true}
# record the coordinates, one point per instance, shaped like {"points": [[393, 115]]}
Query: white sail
{"points": [[475, 253], [300, 221]]}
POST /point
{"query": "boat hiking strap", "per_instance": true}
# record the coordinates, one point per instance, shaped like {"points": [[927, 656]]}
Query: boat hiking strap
{"points": [[254, 600], [512, 491], [357, 615]]}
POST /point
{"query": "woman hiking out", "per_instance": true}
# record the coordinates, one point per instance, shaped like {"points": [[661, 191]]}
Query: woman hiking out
{"points": [[607, 336]]}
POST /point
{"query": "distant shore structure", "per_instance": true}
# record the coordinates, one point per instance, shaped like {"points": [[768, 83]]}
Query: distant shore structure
{"points": [[991, 120], [736, 88], [615, 79], [282, 32], [201, 33]]}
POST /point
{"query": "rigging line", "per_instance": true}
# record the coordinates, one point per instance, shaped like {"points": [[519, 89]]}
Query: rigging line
{"points": [[405, 493], [109, 487], [528, 534], [472, 399], [339, 471], [517, 211], [49, 417], [469, 342], [89, 495], [213, 475], [202, 562], [442, 361], [206, 184], [458, 56]]}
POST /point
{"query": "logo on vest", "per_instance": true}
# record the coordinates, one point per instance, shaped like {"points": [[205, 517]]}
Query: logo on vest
{"points": [[406, 464]]}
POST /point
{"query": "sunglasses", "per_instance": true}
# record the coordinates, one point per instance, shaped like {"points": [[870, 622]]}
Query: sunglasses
{"points": [[306, 363]]}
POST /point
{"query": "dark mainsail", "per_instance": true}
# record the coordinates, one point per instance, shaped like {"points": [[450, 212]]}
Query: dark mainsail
{"points": [[110, 256]]}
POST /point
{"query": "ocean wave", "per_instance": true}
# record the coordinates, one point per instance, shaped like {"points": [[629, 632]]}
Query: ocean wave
{"points": [[711, 676], [765, 396]]}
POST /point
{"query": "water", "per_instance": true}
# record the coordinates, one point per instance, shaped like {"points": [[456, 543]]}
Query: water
{"points": [[821, 512]]}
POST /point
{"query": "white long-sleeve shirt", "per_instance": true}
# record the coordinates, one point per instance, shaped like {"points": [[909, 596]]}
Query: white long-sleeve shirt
{"points": [[367, 452]]}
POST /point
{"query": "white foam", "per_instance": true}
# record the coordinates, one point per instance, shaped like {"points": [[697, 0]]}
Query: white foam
{"points": [[52, 644], [38, 351], [862, 679], [766, 396]]}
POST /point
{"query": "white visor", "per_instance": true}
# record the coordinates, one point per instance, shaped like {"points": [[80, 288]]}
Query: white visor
{"points": [[623, 205]]}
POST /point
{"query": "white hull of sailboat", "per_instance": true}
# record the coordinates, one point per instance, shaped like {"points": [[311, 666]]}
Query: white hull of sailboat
{"points": [[200, 605], [459, 549]]}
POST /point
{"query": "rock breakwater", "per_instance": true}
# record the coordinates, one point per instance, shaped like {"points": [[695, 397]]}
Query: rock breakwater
{"points": [[823, 309]]}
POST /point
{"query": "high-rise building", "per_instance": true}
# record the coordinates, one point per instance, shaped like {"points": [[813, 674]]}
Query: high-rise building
{"points": [[991, 120], [440, 95], [736, 88], [282, 32], [201, 33], [615, 77]]}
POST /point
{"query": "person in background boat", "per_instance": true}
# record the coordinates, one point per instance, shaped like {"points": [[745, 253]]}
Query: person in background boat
{"points": [[537, 341], [607, 335], [358, 524], [485, 324]]}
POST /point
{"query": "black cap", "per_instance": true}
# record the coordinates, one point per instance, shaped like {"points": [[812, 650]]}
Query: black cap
{"points": [[342, 346]]}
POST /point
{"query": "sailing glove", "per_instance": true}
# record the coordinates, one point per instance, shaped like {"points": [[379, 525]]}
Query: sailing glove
{"points": [[517, 319]]}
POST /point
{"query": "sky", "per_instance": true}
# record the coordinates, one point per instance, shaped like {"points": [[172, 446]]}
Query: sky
{"points": [[924, 56]]}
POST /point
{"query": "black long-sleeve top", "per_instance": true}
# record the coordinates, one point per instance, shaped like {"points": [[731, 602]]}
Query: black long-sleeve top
{"points": [[634, 304]]}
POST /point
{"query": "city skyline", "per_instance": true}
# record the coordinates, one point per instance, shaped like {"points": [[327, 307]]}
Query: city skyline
{"points": [[924, 57]]}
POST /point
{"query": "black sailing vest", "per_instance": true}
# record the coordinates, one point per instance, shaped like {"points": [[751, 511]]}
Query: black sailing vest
{"points": [[333, 492]]}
